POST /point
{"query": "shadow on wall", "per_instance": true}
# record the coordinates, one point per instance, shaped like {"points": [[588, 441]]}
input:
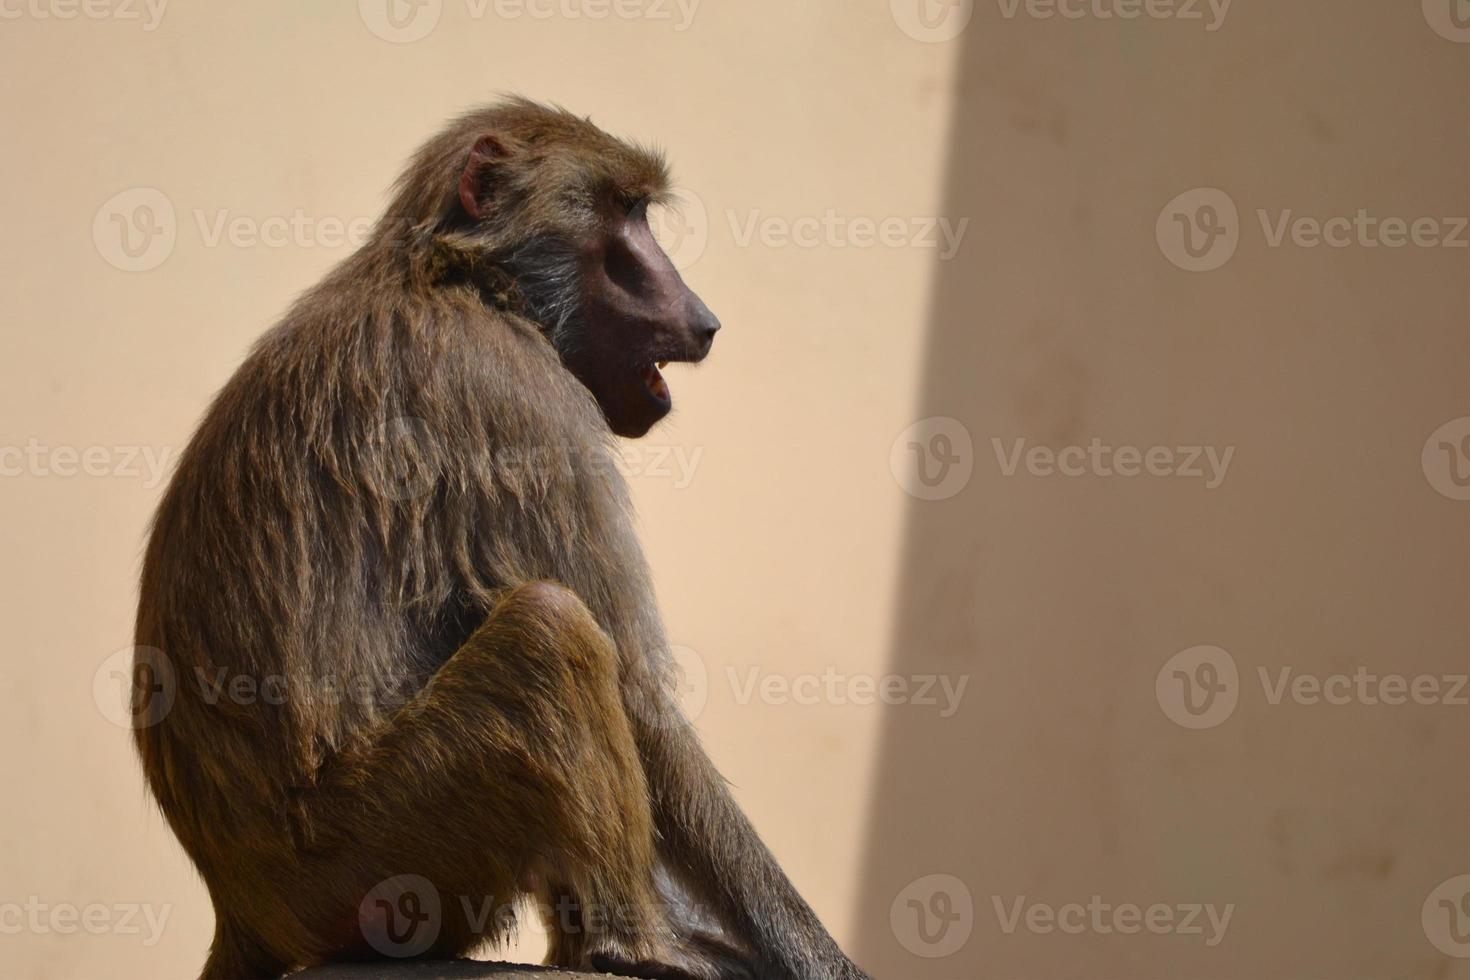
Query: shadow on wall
{"points": [[1287, 390]]}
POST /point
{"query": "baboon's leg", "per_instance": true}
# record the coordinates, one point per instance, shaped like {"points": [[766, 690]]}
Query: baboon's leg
{"points": [[514, 764]]}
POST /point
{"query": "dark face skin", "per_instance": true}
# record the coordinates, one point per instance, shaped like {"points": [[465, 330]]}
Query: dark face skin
{"points": [[636, 313]]}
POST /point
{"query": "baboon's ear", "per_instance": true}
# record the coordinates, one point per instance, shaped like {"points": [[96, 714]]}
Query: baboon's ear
{"points": [[474, 181]]}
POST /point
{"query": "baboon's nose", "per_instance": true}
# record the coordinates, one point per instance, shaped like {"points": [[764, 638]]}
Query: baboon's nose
{"points": [[704, 325]]}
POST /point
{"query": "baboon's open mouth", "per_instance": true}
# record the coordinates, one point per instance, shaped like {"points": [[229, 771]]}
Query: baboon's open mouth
{"points": [[658, 388], [653, 379]]}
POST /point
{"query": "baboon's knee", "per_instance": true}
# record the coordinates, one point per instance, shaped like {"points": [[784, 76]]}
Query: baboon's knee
{"points": [[552, 628], [550, 603]]}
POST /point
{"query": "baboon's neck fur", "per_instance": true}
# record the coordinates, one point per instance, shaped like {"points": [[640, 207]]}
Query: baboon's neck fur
{"points": [[454, 259]]}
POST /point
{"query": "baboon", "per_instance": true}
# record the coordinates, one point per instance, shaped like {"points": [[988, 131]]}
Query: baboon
{"points": [[398, 523]]}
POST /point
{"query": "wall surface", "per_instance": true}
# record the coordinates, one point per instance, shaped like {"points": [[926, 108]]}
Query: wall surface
{"points": [[1197, 241], [965, 675]]}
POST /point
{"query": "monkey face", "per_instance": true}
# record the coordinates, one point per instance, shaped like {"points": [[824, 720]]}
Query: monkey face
{"points": [[636, 314], [548, 196]]}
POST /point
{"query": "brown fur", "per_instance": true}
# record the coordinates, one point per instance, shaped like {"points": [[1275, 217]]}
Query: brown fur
{"points": [[405, 491]]}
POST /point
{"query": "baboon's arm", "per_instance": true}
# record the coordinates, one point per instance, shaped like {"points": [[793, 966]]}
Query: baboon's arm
{"points": [[704, 831]]}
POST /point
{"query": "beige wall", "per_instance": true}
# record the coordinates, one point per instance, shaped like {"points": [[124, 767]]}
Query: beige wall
{"points": [[793, 548], [1325, 550]]}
